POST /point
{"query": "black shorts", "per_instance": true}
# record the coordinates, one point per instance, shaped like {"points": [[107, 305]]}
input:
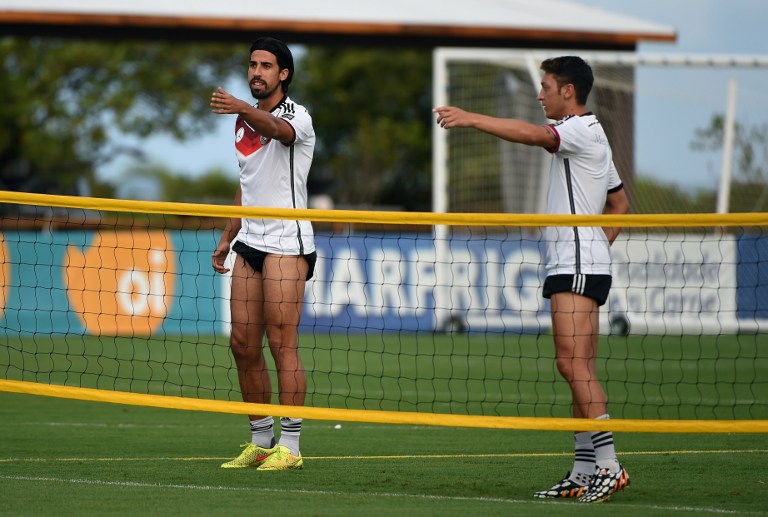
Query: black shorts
{"points": [[591, 286], [255, 258]]}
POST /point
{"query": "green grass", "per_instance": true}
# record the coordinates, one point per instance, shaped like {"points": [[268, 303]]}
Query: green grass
{"points": [[67, 457], [651, 377], [64, 457]]}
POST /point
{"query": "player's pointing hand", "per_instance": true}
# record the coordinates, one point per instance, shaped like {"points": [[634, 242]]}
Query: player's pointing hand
{"points": [[451, 116], [224, 103]]}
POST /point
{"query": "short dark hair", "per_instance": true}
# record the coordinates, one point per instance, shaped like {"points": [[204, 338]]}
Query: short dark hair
{"points": [[280, 51], [571, 70]]}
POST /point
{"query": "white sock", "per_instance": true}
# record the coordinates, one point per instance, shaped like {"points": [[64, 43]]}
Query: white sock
{"points": [[262, 432], [290, 431]]}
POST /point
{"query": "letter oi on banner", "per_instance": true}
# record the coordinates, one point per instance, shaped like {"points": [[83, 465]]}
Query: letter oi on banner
{"points": [[123, 284]]}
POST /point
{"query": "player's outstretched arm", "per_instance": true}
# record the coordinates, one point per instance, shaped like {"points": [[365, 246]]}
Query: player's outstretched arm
{"points": [[266, 124], [513, 130]]}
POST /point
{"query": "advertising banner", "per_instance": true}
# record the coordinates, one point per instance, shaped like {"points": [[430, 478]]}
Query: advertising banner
{"points": [[148, 283]]}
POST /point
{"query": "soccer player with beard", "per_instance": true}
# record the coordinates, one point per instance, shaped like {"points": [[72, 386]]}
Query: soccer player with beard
{"points": [[274, 144]]}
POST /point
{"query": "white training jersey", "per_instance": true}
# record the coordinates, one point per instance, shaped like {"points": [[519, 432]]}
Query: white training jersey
{"points": [[581, 176], [274, 175]]}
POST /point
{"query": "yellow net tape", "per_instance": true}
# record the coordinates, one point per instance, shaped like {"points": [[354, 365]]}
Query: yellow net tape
{"points": [[361, 216], [388, 417]]}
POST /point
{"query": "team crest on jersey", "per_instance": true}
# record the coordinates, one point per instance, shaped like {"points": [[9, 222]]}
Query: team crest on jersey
{"points": [[288, 116], [247, 140]]}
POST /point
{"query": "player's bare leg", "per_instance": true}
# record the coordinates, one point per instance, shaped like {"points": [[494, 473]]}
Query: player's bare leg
{"points": [[284, 282], [246, 338], [575, 327], [575, 330], [246, 343]]}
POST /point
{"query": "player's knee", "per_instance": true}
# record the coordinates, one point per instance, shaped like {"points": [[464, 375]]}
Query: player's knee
{"points": [[243, 351], [286, 358], [237, 339], [279, 336], [565, 367]]}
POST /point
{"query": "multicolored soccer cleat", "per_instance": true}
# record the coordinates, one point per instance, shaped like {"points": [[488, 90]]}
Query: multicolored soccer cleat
{"points": [[282, 459], [565, 488], [604, 484], [252, 456]]}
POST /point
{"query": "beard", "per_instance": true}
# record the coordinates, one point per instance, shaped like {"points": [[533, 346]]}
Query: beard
{"points": [[263, 93]]}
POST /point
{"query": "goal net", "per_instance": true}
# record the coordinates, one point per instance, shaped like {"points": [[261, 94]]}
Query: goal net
{"points": [[681, 282], [635, 100]]}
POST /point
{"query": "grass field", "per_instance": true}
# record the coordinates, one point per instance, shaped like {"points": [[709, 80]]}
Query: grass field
{"points": [[649, 377], [63, 457]]}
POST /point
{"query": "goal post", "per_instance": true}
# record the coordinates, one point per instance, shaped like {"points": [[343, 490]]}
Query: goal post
{"points": [[474, 172], [477, 173]]}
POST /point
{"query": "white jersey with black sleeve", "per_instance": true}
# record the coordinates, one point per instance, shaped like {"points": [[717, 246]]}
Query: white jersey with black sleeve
{"points": [[274, 175], [581, 176]]}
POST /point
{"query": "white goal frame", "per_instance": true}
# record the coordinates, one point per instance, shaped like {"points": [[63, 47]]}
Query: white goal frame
{"points": [[445, 317]]}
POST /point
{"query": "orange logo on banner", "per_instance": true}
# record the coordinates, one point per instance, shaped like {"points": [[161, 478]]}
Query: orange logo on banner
{"points": [[5, 274], [123, 283]]}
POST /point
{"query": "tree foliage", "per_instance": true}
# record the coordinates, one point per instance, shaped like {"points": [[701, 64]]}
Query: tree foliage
{"points": [[750, 147], [213, 187], [656, 197], [64, 102], [371, 110], [749, 192]]}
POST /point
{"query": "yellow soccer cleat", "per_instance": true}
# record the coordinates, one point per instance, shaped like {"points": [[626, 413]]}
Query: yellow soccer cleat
{"points": [[282, 459], [252, 456]]}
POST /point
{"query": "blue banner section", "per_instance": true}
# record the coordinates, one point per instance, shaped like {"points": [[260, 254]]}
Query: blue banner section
{"points": [[154, 283], [752, 277], [197, 298], [36, 297], [369, 282], [397, 282]]}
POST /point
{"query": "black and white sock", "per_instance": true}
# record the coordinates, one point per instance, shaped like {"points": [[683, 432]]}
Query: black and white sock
{"points": [[584, 458], [262, 432], [605, 452], [290, 431]]}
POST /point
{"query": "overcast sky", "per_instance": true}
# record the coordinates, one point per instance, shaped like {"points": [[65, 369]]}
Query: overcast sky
{"points": [[670, 104]]}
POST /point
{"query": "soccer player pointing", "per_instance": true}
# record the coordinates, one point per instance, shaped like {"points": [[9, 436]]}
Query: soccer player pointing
{"points": [[583, 180], [274, 144]]}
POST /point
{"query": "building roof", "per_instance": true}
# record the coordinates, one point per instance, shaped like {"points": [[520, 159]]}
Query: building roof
{"points": [[492, 23]]}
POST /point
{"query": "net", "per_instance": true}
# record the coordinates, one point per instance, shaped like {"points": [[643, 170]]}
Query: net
{"points": [[637, 107], [120, 297]]}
